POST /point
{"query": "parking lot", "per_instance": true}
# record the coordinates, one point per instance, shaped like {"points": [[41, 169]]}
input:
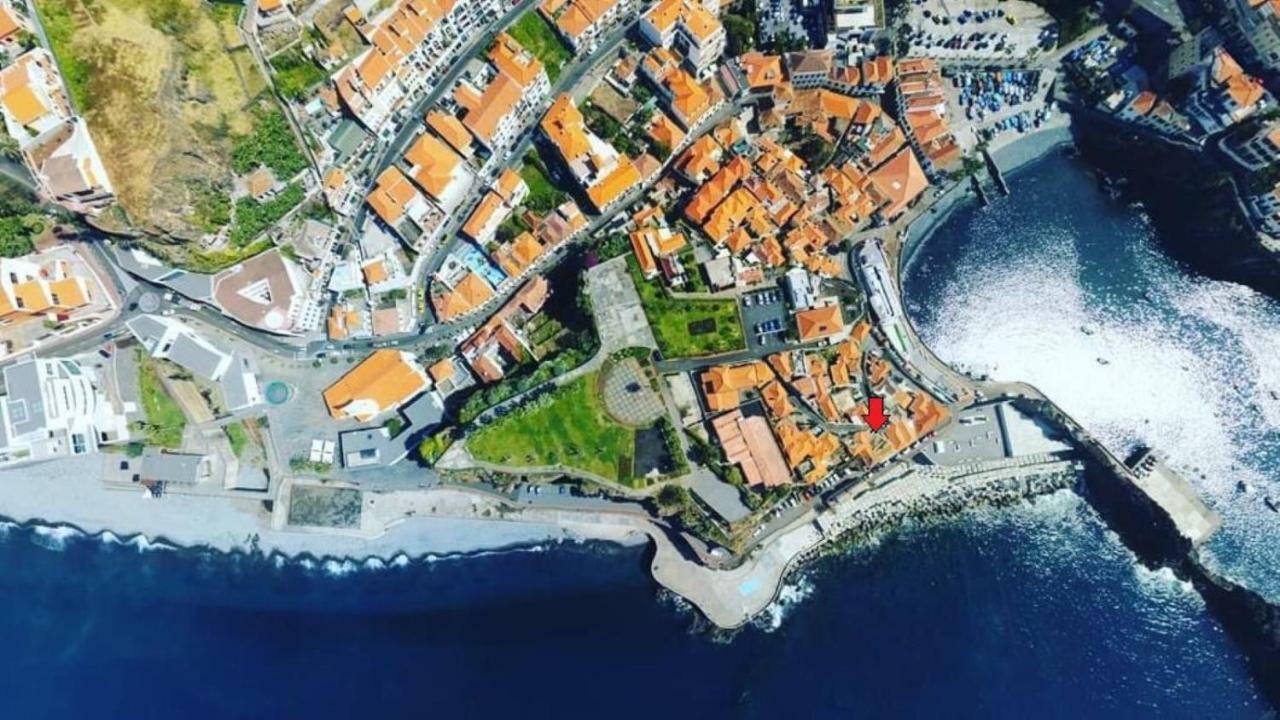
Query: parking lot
{"points": [[794, 18], [977, 30], [765, 318], [986, 104]]}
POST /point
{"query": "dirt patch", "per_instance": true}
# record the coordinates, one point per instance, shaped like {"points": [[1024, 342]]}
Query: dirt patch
{"points": [[164, 97]]}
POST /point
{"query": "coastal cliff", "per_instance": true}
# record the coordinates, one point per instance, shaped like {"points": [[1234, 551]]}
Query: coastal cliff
{"points": [[1190, 198]]}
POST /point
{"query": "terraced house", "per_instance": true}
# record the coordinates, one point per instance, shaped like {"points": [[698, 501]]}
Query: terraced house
{"points": [[55, 143], [412, 43], [582, 22]]}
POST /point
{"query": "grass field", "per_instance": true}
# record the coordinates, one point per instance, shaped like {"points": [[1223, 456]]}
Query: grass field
{"points": [[164, 94], [568, 427], [165, 421], [688, 328], [539, 38], [296, 74], [543, 196], [238, 437]]}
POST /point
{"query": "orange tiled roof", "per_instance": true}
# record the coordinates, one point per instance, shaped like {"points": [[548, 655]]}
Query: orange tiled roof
{"points": [[566, 128], [818, 323], [761, 71], [433, 164], [498, 101], [451, 129], [392, 193], [384, 380], [623, 177], [511, 58], [899, 182], [443, 370]]}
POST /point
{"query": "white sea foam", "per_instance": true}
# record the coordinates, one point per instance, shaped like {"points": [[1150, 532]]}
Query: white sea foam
{"points": [[1162, 582], [400, 561], [792, 594], [144, 544], [339, 568], [1187, 366], [54, 537]]}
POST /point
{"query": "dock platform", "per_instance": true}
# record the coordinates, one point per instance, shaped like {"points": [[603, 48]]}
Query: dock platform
{"points": [[1195, 520]]}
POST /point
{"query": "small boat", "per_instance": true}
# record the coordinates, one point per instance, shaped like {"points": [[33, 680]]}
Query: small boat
{"points": [[1242, 487], [1086, 329], [1271, 504], [1103, 361]]}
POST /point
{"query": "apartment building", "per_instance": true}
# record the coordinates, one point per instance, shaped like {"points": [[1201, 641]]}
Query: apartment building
{"points": [[55, 144], [411, 45], [55, 407], [31, 290], [1253, 27], [690, 28], [583, 22], [1257, 150], [687, 99], [603, 172], [1224, 94]]}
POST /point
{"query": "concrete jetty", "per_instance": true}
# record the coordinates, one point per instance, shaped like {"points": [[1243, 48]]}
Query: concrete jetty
{"points": [[1194, 520], [996, 175], [730, 597]]}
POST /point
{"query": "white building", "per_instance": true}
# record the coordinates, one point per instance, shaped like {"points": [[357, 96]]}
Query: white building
{"points": [[412, 43], [55, 407], [167, 339], [1254, 28], [1256, 151], [688, 27]]}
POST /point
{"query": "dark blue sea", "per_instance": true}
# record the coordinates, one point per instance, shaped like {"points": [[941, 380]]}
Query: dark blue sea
{"points": [[1031, 611], [1037, 609]]}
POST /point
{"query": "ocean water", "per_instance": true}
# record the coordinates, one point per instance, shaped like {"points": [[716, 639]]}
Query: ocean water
{"points": [[1034, 609], [1068, 289]]}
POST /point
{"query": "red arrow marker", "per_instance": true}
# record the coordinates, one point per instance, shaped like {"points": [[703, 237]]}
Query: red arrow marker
{"points": [[876, 417]]}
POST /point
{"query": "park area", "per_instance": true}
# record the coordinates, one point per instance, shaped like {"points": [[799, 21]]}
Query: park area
{"points": [[567, 427], [688, 327], [539, 38]]}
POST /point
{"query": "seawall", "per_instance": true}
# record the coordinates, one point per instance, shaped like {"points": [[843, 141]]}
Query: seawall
{"points": [[1156, 539], [1251, 620]]}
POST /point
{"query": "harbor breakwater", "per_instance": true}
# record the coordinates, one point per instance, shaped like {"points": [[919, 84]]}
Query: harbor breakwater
{"points": [[1250, 619]]}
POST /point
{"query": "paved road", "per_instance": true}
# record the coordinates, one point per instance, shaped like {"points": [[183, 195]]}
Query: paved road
{"points": [[569, 78]]}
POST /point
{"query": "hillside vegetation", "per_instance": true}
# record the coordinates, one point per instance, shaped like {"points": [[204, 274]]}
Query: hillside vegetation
{"points": [[169, 91]]}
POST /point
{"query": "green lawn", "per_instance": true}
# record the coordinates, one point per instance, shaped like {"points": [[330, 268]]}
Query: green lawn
{"points": [[688, 328], [543, 196], [539, 38], [568, 427], [238, 437], [165, 421]]}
